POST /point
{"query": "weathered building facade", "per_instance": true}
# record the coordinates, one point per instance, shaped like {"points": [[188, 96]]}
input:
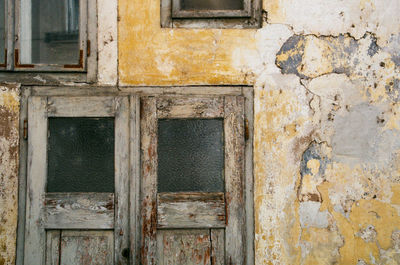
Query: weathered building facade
{"points": [[321, 87]]}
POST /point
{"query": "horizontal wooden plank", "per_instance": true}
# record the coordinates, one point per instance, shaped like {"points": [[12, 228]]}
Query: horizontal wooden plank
{"points": [[79, 210], [190, 210], [81, 107], [178, 107]]}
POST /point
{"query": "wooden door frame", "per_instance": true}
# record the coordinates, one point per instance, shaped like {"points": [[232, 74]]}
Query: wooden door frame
{"points": [[40, 214], [231, 109], [134, 94]]}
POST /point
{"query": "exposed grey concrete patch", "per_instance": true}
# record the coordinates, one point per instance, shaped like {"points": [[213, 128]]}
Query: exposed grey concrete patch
{"points": [[310, 216], [293, 48], [313, 152], [359, 138], [393, 48], [356, 135], [367, 234], [340, 54], [393, 89], [373, 47]]}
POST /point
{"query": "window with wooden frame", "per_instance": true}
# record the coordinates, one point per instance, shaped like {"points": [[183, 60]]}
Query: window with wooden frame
{"points": [[77, 198], [193, 184], [157, 179], [50, 35], [211, 13]]}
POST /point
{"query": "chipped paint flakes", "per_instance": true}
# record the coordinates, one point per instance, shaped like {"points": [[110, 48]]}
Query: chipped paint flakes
{"points": [[9, 117]]}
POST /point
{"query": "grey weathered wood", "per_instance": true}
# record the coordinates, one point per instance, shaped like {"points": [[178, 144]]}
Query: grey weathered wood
{"points": [[121, 228], [35, 236], [194, 107], [22, 172], [134, 193], [190, 210], [86, 247], [79, 210], [234, 170], [148, 125], [88, 90], [42, 78], [81, 106], [217, 246], [91, 61], [53, 247], [10, 33], [184, 247], [249, 182]]}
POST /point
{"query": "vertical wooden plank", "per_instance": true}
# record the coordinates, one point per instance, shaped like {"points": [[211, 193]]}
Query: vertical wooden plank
{"points": [[217, 246], [135, 180], [148, 125], [36, 178], [184, 247], [86, 247], [121, 227], [248, 93], [53, 247], [91, 61], [23, 158], [234, 167]]}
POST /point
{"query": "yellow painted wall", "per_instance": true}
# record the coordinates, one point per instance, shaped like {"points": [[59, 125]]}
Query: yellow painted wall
{"points": [[151, 55]]}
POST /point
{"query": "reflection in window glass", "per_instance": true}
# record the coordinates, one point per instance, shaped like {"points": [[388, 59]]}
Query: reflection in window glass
{"points": [[211, 4], [190, 155], [49, 32], [2, 31]]}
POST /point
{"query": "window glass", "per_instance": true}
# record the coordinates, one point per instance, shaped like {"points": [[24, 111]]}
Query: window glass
{"points": [[211, 4], [80, 155], [49, 32], [2, 31], [190, 155]]}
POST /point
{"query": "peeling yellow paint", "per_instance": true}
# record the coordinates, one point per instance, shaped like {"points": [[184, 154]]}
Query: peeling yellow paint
{"points": [[314, 165], [150, 55]]}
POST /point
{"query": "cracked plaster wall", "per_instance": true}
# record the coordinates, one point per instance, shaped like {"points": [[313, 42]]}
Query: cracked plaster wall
{"points": [[327, 103], [326, 123], [9, 119]]}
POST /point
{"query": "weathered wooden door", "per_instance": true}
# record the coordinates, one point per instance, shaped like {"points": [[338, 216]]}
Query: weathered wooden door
{"points": [[77, 181], [192, 199]]}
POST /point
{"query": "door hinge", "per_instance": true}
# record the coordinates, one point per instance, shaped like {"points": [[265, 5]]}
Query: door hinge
{"points": [[88, 48], [25, 129], [246, 129]]}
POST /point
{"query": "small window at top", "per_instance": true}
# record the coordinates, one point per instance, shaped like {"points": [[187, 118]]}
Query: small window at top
{"points": [[210, 13], [212, 4]]}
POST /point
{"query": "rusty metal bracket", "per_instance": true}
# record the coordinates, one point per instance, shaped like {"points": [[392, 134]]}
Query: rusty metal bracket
{"points": [[25, 134]]}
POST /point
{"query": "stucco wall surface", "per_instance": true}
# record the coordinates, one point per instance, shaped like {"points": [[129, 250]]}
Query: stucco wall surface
{"points": [[9, 120], [326, 76]]}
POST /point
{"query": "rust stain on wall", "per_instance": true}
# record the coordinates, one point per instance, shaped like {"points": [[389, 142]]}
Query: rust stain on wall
{"points": [[9, 120]]}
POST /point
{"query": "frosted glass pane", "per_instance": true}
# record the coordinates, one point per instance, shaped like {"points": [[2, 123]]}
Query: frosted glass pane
{"points": [[190, 155], [81, 155], [211, 4], [49, 31]]}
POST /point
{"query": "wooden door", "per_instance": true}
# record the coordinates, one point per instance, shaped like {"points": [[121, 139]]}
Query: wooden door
{"points": [[198, 217], [77, 181]]}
